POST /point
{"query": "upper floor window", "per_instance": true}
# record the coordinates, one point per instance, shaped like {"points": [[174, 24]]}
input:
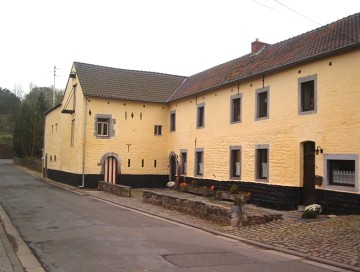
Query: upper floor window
{"points": [[157, 130], [235, 107], [342, 170], [262, 162], [172, 121], [262, 103], [307, 94], [200, 116], [104, 126]]}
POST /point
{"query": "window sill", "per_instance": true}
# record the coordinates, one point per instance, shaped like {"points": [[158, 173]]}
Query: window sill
{"points": [[340, 188], [261, 118], [307, 112], [235, 122]]}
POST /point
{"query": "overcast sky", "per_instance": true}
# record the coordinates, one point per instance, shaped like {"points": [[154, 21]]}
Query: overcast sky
{"points": [[181, 37]]}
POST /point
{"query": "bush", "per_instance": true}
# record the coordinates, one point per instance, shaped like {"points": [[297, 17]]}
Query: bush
{"points": [[194, 183], [234, 189], [309, 214]]}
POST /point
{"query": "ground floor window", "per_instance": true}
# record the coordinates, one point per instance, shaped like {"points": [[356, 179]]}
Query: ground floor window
{"points": [[341, 170], [235, 165], [199, 162], [262, 162], [183, 154]]}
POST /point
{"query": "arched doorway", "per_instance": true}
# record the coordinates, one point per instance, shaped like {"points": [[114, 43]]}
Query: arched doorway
{"points": [[309, 192], [172, 166], [110, 167]]}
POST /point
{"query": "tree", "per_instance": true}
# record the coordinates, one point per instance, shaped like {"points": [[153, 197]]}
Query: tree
{"points": [[29, 129]]}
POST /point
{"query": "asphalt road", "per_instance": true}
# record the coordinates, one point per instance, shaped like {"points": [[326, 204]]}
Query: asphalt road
{"points": [[72, 232]]}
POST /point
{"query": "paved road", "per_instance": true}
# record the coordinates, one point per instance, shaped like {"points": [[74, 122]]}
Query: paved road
{"points": [[72, 232]]}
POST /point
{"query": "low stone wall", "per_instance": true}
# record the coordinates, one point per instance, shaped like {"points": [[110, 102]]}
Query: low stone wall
{"points": [[200, 209], [116, 189], [205, 210], [34, 164]]}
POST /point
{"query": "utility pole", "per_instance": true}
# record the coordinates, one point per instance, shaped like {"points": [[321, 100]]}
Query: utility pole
{"points": [[53, 98]]}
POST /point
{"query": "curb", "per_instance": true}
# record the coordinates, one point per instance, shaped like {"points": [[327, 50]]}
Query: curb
{"points": [[10, 251], [251, 242]]}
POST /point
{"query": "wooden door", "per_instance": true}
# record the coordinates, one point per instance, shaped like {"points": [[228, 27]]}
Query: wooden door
{"points": [[110, 169], [309, 173]]}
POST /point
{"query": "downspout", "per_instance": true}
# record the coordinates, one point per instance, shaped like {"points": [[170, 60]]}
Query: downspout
{"points": [[84, 147]]}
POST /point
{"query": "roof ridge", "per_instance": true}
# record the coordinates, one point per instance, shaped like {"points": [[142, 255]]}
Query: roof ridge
{"points": [[130, 70]]}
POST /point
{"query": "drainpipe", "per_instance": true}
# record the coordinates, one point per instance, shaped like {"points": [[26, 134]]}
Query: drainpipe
{"points": [[84, 147]]}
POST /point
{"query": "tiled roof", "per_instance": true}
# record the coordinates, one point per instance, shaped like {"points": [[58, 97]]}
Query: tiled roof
{"points": [[101, 81], [327, 40]]}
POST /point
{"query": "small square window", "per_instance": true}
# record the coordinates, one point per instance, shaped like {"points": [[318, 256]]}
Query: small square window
{"points": [[199, 162], [200, 116], [235, 107], [157, 130], [172, 121], [262, 164]]}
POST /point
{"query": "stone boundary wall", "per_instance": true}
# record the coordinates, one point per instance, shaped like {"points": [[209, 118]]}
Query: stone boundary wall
{"points": [[116, 189], [34, 164], [197, 208], [209, 211]]}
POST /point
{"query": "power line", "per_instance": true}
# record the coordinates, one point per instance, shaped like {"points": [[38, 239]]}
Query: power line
{"points": [[262, 4], [298, 13]]}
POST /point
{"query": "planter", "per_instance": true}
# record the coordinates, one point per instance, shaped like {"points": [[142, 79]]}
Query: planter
{"points": [[197, 190], [232, 197]]}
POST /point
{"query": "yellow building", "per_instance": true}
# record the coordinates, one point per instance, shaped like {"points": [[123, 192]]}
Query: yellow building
{"points": [[281, 122]]}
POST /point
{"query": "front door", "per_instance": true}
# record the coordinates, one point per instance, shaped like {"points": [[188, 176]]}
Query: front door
{"points": [[110, 169], [309, 173], [172, 167]]}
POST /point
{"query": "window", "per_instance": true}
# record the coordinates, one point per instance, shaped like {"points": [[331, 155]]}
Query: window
{"points": [[199, 161], [307, 94], [157, 130], [183, 155], [72, 132], [262, 162], [342, 170], [200, 123], [235, 166], [235, 115], [103, 127], [172, 121], [262, 103]]}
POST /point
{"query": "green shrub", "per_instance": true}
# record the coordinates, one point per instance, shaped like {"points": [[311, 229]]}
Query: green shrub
{"points": [[194, 183], [309, 215], [234, 189]]}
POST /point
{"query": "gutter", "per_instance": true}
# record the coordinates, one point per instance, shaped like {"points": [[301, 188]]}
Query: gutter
{"points": [[84, 146]]}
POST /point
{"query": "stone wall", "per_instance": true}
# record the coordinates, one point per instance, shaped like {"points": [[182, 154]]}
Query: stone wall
{"points": [[205, 210], [34, 164], [115, 189]]}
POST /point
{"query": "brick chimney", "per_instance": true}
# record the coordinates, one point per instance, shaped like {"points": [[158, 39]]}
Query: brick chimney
{"points": [[257, 45]]}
